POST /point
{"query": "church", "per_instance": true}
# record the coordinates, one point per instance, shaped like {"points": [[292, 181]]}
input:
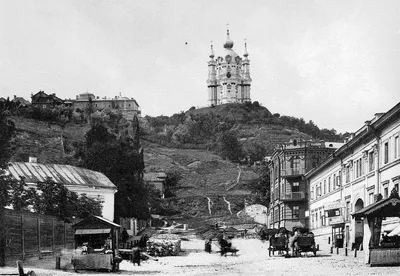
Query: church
{"points": [[228, 76]]}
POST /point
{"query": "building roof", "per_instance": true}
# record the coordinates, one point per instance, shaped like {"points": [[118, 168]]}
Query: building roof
{"points": [[388, 207], [364, 133], [154, 176], [244, 226], [65, 174], [92, 220]]}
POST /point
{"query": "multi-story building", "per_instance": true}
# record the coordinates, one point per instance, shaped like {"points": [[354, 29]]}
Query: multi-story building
{"points": [[128, 106], [228, 76], [352, 178], [43, 100], [289, 190]]}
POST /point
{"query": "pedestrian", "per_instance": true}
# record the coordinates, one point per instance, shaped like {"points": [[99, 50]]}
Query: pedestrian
{"points": [[124, 236], [207, 246], [136, 256], [292, 242]]}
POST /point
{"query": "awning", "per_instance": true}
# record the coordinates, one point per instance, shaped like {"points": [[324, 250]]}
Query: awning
{"points": [[92, 231], [395, 231], [390, 227]]}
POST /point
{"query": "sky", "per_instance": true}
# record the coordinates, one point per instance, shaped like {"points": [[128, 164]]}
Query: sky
{"points": [[334, 62]]}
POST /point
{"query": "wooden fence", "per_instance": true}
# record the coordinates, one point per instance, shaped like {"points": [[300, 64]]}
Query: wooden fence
{"points": [[29, 235]]}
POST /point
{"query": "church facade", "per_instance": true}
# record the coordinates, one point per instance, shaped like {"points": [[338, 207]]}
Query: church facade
{"points": [[228, 76]]}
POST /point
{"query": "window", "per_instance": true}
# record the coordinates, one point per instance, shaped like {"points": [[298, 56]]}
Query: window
{"points": [[347, 172], [386, 153], [386, 192], [370, 198], [396, 147], [348, 210], [329, 184], [334, 182], [282, 212], [371, 161], [312, 193], [322, 218], [312, 221], [296, 187], [296, 212], [325, 186], [396, 187]]}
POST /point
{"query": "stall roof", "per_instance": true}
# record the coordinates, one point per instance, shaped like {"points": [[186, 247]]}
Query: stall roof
{"points": [[388, 207], [92, 231], [95, 222]]}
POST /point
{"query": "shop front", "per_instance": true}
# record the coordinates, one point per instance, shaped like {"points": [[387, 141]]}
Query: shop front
{"points": [[380, 249], [334, 214], [96, 244]]}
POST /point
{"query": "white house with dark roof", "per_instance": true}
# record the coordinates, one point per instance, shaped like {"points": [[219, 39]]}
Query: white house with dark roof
{"points": [[82, 181]]}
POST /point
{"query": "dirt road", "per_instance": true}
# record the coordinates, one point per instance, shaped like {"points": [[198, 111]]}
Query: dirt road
{"points": [[252, 259]]}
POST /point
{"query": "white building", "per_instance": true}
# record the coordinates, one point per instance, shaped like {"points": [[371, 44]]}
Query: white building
{"points": [[82, 181], [228, 76], [352, 178]]}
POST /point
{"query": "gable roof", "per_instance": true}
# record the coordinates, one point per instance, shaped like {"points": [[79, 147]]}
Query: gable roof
{"points": [[94, 222], [65, 174]]}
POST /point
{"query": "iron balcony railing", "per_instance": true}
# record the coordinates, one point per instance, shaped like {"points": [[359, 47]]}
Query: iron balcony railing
{"points": [[291, 172], [293, 196]]}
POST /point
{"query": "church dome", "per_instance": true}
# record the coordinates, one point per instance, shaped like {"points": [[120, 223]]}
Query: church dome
{"points": [[229, 55], [229, 42]]}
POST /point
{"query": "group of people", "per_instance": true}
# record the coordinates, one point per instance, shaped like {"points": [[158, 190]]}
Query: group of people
{"points": [[291, 238], [223, 243]]}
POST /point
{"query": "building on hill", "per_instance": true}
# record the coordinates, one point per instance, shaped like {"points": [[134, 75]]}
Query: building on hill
{"points": [[43, 100], [229, 78], [157, 180], [289, 190], [82, 181], [128, 106], [367, 166], [20, 101]]}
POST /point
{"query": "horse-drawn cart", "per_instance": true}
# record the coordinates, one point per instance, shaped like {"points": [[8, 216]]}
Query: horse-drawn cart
{"points": [[278, 244], [305, 244]]}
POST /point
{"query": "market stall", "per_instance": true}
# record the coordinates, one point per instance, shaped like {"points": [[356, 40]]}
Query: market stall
{"points": [[380, 250], [96, 244]]}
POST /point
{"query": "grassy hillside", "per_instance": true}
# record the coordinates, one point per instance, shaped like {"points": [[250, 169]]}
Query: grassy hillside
{"points": [[208, 183]]}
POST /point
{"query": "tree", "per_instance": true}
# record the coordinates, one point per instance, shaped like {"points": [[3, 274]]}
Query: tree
{"points": [[21, 198], [173, 177], [257, 152], [56, 200], [229, 147], [260, 188], [121, 160], [7, 130]]}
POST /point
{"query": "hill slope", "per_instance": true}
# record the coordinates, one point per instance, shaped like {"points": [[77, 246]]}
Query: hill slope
{"points": [[209, 187]]}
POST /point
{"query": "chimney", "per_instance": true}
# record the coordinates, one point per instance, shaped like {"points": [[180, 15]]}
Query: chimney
{"points": [[32, 159], [378, 115]]}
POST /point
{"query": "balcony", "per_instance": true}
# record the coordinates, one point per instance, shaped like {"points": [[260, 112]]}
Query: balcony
{"points": [[292, 172], [294, 196]]}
